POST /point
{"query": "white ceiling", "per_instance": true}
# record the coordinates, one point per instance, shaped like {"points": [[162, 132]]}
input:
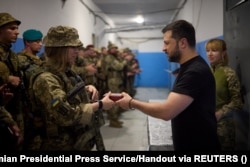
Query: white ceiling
{"points": [[155, 12]]}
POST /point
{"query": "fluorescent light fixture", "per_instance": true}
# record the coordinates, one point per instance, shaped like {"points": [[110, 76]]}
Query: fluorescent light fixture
{"points": [[139, 19]]}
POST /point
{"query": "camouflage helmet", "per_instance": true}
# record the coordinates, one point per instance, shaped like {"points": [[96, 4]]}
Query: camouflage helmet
{"points": [[62, 36], [127, 50], [6, 18], [111, 45]]}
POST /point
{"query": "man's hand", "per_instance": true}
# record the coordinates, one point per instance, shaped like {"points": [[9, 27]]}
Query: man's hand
{"points": [[14, 129], [6, 94]]}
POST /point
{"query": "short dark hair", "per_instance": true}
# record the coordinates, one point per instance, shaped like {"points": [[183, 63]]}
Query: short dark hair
{"points": [[182, 29]]}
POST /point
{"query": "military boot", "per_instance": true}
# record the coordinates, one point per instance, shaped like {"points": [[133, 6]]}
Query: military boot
{"points": [[115, 124], [120, 122]]}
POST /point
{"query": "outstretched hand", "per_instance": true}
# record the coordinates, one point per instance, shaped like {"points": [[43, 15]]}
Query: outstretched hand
{"points": [[107, 102], [124, 102]]}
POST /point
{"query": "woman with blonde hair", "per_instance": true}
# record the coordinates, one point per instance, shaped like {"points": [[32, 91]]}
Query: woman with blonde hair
{"points": [[228, 96]]}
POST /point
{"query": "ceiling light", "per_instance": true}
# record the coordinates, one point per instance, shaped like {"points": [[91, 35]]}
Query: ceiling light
{"points": [[139, 19]]}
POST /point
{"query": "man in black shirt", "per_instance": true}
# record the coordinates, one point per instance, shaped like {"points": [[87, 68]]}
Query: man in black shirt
{"points": [[191, 103]]}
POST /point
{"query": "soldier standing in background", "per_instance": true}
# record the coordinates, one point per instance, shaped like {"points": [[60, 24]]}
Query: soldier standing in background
{"points": [[101, 72], [91, 59], [70, 113], [8, 34], [228, 95], [28, 59], [80, 65], [115, 77], [132, 69], [29, 64], [8, 127]]}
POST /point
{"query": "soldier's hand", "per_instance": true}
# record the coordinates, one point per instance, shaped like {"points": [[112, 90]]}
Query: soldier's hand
{"points": [[107, 102], [218, 115], [17, 133], [91, 69], [93, 92], [6, 94], [124, 102], [14, 80]]}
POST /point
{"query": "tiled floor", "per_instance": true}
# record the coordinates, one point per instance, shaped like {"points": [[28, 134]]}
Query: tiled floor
{"points": [[134, 133]]}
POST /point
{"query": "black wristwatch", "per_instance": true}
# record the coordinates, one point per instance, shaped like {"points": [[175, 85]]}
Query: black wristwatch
{"points": [[100, 104]]}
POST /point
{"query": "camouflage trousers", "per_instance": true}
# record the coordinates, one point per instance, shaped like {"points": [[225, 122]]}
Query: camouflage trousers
{"points": [[226, 133]]}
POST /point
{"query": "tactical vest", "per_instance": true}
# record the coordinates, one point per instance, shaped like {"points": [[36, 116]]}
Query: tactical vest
{"points": [[85, 134]]}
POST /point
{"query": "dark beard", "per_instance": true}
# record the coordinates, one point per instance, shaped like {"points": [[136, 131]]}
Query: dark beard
{"points": [[175, 56]]}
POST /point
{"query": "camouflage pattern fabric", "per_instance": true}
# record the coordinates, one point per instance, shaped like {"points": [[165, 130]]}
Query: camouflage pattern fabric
{"points": [[226, 133], [101, 76], [5, 117], [6, 18], [62, 36], [30, 64], [4, 73], [78, 67], [64, 131], [228, 100], [115, 76], [92, 79], [15, 105]]}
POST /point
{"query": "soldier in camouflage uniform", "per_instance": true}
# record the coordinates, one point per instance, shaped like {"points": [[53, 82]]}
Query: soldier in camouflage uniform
{"points": [[28, 59], [8, 34], [81, 67], [101, 72], [91, 59], [72, 120], [132, 70], [228, 96], [30, 63], [115, 76], [7, 140]]}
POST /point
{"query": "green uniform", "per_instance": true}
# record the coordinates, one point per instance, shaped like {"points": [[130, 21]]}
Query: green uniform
{"points": [[68, 126], [130, 80], [115, 77], [228, 100], [29, 64], [91, 79], [15, 105], [5, 116], [101, 76], [78, 67]]}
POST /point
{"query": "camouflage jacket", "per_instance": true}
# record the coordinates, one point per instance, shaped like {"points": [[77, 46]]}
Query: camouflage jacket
{"points": [[4, 73], [9, 58], [6, 117], [228, 94], [49, 87], [28, 64], [78, 67], [114, 66]]}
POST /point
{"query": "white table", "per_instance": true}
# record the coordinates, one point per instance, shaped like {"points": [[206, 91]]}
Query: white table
{"points": [[159, 132]]}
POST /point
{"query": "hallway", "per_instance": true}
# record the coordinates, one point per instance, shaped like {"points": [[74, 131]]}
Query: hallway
{"points": [[134, 134]]}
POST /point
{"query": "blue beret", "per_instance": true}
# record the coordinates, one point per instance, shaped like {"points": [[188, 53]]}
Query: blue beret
{"points": [[32, 35]]}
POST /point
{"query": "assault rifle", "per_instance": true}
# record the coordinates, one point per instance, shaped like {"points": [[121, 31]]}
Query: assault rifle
{"points": [[78, 88], [98, 118]]}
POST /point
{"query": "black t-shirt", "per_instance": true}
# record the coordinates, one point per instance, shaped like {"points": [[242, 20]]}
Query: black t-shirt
{"points": [[195, 127]]}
